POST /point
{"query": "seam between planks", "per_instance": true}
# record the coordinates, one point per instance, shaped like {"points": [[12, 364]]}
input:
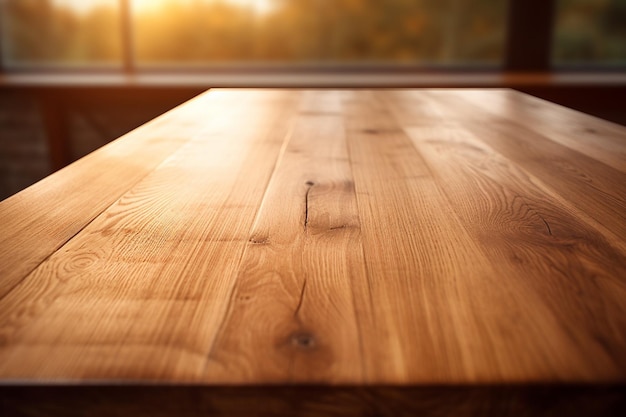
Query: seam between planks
{"points": [[96, 216], [541, 184], [550, 190], [572, 111], [231, 290], [368, 273], [506, 119], [364, 367]]}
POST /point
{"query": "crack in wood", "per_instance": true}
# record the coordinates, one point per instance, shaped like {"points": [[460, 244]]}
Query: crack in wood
{"points": [[300, 300], [547, 225], [310, 185]]}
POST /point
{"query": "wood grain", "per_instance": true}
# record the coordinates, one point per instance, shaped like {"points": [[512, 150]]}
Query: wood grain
{"points": [[149, 243], [434, 276], [39, 220], [602, 140], [293, 303], [355, 252], [524, 230]]}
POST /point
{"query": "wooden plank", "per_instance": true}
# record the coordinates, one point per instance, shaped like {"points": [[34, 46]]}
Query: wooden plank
{"points": [[147, 282], [443, 313], [599, 139], [425, 109], [595, 188], [42, 218], [530, 27], [299, 301], [325, 253], [529, 234]]}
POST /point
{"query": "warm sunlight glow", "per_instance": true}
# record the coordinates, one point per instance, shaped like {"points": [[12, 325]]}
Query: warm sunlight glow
{"points": [[259, 6], [82, 6], [281, 32]]}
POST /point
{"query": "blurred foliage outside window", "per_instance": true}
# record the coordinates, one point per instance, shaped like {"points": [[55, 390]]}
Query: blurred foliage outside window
{"points": [[321, 31], [61, 32], [189, 32], [590, 32], [206, 32]]}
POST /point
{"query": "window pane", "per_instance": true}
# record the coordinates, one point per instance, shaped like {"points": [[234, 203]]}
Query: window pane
{"points": [[61, 32], [590, 32], [319, 31]]}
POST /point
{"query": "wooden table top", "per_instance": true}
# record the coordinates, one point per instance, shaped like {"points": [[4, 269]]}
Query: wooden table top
{"points": [[347, 239]]}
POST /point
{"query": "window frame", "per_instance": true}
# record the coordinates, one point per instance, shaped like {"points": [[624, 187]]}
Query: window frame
{"points": [[524, 52]]}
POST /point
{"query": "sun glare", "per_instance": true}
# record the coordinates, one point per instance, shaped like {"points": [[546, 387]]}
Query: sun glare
{"points": [[260, 6], [82, 6]]}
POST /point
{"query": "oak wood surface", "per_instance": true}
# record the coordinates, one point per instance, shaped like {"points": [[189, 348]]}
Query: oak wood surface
{"points": [[352, 239]]}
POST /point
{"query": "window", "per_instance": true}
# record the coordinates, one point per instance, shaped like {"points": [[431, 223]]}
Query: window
{"points": [[61, 32], [319, 31], [590, 32], [145, 34], [283, 32]]}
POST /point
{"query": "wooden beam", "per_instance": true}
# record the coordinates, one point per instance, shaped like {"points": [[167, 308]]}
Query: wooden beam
{"points": [[529, 35], [2, 35], [56, 125], [314, 401], [128, 53]]}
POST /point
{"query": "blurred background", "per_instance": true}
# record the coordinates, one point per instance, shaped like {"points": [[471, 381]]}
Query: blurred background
{"points": [[207, 32], [76, 74], [183, 33]]}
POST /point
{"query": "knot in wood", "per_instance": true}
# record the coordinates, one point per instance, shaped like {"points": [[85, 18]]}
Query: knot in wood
{"points": [[259, 241], [303, 340]]}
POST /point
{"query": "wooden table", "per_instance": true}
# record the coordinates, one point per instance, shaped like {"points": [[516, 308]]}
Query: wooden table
{"points": [[272, 252]]}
